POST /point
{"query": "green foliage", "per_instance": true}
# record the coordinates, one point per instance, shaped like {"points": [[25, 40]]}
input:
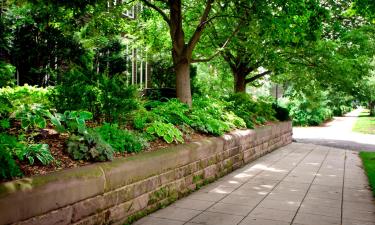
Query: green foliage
{"points": [[4, 124], [89, 147], [121, 140], [8, 147], [365, 123], [32, 116], [172, 111], [25, 95], [306, 112], [140, 118], [40, 152], [71, 121], [6, 74], [210, 116], [250, 111], [167, 131], [368, 159], [107, 97], [117, 99]]}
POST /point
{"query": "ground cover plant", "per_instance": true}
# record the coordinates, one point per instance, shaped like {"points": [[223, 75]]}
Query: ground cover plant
{"points": [[29, 118], [368, 159], [365, 123]]}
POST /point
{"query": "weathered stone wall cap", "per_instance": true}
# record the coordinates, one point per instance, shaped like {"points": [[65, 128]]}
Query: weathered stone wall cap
{"points": [[34, 196]]}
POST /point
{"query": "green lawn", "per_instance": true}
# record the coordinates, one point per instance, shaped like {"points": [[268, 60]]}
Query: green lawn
{"points": [[368, 159], [365, 123]]}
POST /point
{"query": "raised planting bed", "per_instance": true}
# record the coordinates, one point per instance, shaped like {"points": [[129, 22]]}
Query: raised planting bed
{"points": [[126, 189]]}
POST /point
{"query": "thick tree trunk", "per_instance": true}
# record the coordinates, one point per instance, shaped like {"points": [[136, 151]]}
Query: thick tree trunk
{"points": [[183, 88], [239, 83]]}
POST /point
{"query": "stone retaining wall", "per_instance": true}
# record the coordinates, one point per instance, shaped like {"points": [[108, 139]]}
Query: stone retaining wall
{"points": [[123, 190]]}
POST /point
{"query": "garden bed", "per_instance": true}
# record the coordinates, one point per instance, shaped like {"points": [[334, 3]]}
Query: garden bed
{"points": [[128, 188], [57, 144]]}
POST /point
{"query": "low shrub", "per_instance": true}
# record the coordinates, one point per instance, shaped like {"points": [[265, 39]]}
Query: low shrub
{"points": [[250, 111], [40, 152], [167, 131], [308, 113], [209, 115], [108, 97], [121, 140], [32, 116], [89, 147], [172, 111], [26, 95], [8, 148], [71, 121]]}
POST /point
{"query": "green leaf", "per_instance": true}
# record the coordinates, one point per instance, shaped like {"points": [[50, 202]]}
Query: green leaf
{"points": [[168, 138], [56, 122], [25, 123], [40, 122], [85, 115]]}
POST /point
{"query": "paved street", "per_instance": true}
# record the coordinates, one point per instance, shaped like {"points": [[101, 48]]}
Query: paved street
{"points": [[337, 133], [297, 184]]}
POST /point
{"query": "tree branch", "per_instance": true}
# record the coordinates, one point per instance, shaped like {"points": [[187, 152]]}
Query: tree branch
{"points": [[159, 10], [251, 79], [221, 48], [198, 31]]}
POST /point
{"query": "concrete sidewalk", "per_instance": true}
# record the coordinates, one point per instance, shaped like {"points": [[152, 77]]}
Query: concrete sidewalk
{"points": [[297, 184], [337, 133]]}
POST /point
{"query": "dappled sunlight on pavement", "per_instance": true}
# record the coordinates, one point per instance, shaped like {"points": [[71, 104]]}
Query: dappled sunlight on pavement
{"points": [[297, 184]]}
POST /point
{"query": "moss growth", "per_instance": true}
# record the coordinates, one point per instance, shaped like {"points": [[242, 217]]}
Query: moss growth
{"points": [[158, 195], [197, 178]]}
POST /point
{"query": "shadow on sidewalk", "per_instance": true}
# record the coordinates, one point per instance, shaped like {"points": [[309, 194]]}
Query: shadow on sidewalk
{"points": [[347, 145]]}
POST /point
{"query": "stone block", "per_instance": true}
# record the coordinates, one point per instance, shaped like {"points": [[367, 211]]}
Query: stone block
{"points": [[210, 171], [100, 218], [29, 197], [167, 177], [94, 205], [59, 217]]}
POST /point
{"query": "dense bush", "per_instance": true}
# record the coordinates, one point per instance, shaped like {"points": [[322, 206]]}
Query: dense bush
{"points": [[7, 72], [106, 97], [26, 95], [8, 148], [172, 111], [308, 113], [121, 140], [252, 112], [210, 116]]}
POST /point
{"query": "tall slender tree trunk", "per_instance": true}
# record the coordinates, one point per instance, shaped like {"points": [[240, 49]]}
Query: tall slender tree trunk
{"points": [[239, 83]]}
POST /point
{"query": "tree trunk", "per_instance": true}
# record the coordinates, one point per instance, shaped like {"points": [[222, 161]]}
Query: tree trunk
{"points": [[371, 106], [239, 83], [183, 88]]}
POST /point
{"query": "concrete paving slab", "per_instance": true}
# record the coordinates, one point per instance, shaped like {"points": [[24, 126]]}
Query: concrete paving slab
{"points": [[259, 221], [298, 184], [188, 203], [314, 219], [211, 218], [175, 213], [233, 209]]}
